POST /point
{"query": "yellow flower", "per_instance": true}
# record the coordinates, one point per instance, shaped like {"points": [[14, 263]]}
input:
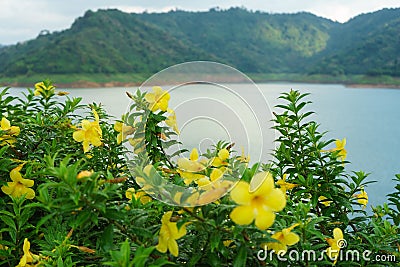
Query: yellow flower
{"points": [[190, 200], [285, 238], [142, 182], [220, 159], [171, 121], [258, 205], [19, 186], [215, 187], [340, 147], [123, 131], [214, 176], [28, 256], [169, 233], [137, 144], [340, 144], [217, 191], [142, 196], [335, 244], [9, 132], [158, 99], [62, 93], [84, 174], [90, 133], [130, 193], [41, 88], [227, 243], [324, 200], [243, 158], [189, 168], [284, 185], [2, 247], [362, 198]]}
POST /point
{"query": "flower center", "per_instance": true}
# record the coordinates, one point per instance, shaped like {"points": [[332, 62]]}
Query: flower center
{"points": [[257, 201]]}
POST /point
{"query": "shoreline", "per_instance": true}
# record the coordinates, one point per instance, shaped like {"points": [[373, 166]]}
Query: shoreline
{"points": [[111, 84], [80, 84], [378, 85]]}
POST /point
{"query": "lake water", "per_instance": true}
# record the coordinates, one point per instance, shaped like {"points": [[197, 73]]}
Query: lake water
{"points": [[369, 118]]}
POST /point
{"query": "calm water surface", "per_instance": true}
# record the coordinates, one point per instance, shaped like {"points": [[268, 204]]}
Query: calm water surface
{"points": [[368, 118]]}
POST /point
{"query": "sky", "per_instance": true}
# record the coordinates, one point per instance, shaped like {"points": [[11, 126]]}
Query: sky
{"points": [[21, 20]]}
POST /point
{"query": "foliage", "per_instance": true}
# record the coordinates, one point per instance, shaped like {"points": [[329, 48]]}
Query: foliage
{"points": [[119, 203]]}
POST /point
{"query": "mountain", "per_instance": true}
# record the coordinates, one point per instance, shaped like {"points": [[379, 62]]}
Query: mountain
{"points": [[253, 42], [102, 42], [367, 44], [111, 41]]}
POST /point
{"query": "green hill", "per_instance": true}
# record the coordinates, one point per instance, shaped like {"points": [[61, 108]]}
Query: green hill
{"points": [[108, 43], [102, 42], [253, 42], [367, 44]]}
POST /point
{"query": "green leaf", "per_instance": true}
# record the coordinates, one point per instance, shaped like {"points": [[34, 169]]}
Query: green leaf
{"points": [[82, 218], [141, 256], [9, 221], [60, 262], [241, 257], [43, 220], [106, 240], [215, 240], [161, 262]]}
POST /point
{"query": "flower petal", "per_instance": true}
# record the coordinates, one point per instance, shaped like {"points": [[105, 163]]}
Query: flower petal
{"points": [[223, 154], [15, 175], [86, 125], [119, 138], [26, 246], [240, 193], [166, 217], [337, 234], [242, 215], [86, 146], [276, 246], [216, 174], [29, 193], [265, 183], [27, 182], [9, 188], [163, 104], [129, 194], [118, 126], [173, 247], [291, 239], [150, 97], [181, 232], [79, 135], [14, 130], [264, 219], [275, 200], [162, 245], [96, 115], [5, 124], [194, 155], [96, 141]]}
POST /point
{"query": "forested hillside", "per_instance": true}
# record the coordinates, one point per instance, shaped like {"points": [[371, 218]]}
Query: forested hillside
{"points": [[111, 41]]}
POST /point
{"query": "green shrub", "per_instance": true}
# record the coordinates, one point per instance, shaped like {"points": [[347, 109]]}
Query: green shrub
{"points": [[78, 190]]}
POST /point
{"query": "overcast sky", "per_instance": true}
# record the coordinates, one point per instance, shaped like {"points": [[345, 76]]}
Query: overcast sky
{"points": [[21, 20]]}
